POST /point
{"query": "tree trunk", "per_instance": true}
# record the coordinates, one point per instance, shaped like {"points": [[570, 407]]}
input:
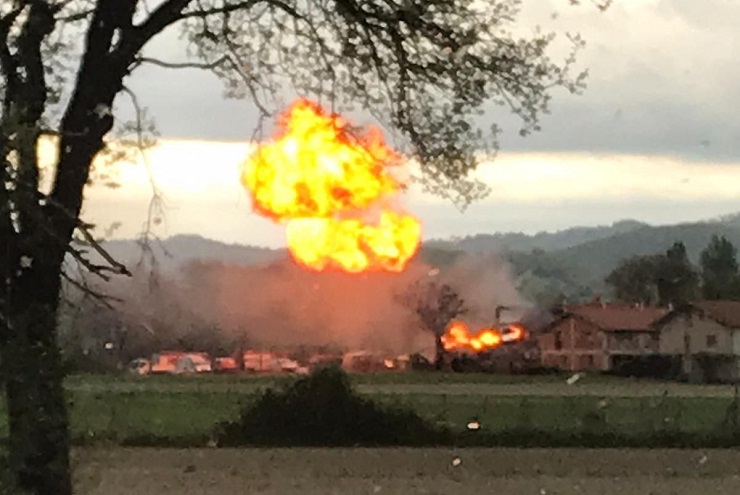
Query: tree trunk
{"points": [[439, 353], [35, 242], [38, 438]]}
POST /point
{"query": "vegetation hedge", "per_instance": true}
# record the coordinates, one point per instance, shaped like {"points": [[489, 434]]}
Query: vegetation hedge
{"points": [[322, 409]]}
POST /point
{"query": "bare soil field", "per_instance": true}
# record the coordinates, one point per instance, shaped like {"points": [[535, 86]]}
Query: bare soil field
{"points": [[403, 471]]}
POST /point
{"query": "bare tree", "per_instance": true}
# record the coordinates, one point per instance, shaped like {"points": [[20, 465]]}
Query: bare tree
{"points": [[435, 305], [425, 68]]}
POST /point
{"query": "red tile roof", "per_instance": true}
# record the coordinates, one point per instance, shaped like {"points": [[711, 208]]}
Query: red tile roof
{"points": [[726, 313], [612, 317]]}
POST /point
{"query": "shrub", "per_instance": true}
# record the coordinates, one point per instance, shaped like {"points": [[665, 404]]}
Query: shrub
{"points": [[322, 409]]}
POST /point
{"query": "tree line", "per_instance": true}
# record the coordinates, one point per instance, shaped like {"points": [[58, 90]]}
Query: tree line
{"points": [[670, 278]]}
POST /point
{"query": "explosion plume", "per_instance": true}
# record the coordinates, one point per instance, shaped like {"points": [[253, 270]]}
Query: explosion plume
{"points": [[332, 188]]}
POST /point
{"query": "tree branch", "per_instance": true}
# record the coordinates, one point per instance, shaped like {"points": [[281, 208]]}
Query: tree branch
{"points": [[245, 4], [155, 210], [77, 16], [115, 266], [7, 64], [85, 289], [166, 14], [98, 270], [182, 65]]}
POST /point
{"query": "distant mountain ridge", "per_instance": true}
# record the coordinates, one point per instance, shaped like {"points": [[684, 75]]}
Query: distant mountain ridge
{"points": [[176, 250], [546, 241], [571, 262]]}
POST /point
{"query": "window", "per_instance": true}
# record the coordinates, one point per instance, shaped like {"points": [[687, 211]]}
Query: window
{"points": [[558, 341], [587, 362], [711, 340]]}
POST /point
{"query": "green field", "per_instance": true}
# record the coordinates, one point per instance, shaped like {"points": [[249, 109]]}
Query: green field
{"points": [[165, 410]]}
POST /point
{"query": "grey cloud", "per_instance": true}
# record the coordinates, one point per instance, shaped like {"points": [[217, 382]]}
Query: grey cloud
{"points": [[189, 104], [642, 98], [705, 14], [661, 128]]}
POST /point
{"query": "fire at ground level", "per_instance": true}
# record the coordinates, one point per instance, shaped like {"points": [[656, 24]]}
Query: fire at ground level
{"points": [[391, 471], [504, 349]]}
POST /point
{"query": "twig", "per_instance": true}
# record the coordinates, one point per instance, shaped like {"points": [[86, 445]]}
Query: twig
{"points": [[98, 296], [91, 267], [155, 205], [181, 65], [115, 266], [222, 10], [78, 16]]}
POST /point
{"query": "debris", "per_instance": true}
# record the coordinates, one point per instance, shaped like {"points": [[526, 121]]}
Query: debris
{"points": [[573, 379]]}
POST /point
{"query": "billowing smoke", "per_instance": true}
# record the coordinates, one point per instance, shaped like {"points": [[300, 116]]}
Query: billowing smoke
{"points": [[284, 305], [216, 307], [485, 283]]}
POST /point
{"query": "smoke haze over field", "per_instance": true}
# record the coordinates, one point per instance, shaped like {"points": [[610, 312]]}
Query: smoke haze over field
{"points": [[213, 305]]}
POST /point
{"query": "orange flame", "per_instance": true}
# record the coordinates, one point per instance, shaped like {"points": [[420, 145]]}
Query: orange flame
{"points": [[459, 338], [324, 181]]}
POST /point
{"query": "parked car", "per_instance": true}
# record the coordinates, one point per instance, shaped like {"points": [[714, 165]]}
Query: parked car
{"points": [[194, 362]]}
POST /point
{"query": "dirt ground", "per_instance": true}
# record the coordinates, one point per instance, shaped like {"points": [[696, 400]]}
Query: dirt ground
{"points": [[395, 471]]}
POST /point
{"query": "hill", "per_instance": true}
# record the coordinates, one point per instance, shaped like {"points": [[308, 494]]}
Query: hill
{"points": [[571, 263], [578, 272], [547, 241], [174, 251]]}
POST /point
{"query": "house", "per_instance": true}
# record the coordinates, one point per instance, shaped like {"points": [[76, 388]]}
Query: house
{"points": [[599, 336], [705, 338]]}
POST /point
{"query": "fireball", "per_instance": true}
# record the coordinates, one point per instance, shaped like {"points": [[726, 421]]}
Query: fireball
{"points": [[332, 186]]}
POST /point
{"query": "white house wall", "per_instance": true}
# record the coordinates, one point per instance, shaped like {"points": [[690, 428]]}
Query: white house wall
{"points": [[697, 330], [736, 342]]}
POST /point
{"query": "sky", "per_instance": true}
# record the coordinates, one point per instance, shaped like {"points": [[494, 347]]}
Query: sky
{"points": [[654, 137]]}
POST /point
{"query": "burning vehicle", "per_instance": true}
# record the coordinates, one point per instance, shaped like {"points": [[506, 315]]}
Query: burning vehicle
{"points": [[173, 363], [193, 362], [269, 362], [503, 349], [458, 337], [226, 364]]}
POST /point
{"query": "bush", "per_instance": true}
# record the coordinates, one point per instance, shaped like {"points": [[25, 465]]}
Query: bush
{"points": [[323, 410]]}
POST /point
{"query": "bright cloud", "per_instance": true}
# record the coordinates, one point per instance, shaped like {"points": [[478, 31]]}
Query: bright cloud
{"points": [[200, 184]]}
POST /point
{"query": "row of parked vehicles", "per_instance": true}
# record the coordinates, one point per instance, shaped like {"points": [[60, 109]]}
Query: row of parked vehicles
{"points": [[182, 362]]}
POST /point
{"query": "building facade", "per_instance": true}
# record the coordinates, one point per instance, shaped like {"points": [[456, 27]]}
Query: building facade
{"points": [[705, 338], [600, 336]]}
